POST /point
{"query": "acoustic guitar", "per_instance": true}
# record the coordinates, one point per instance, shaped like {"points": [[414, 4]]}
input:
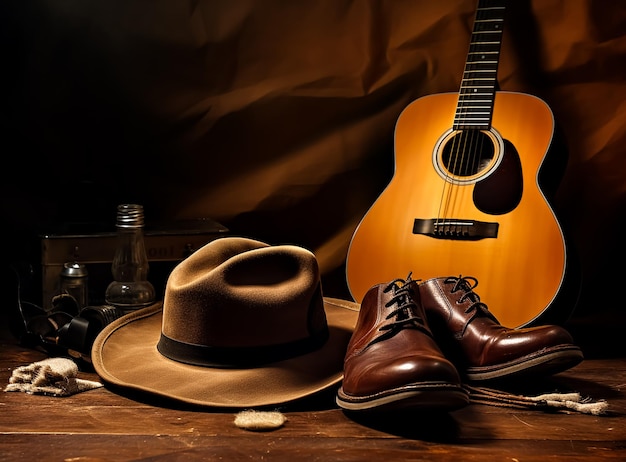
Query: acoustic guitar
{"points": [[465, 197]]}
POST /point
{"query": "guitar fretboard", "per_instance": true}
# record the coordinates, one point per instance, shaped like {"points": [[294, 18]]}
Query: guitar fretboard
{"points": [[478, 87]]}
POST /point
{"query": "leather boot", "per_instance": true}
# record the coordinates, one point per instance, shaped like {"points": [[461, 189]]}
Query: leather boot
{"points": [[392, 360], [482, 349]]}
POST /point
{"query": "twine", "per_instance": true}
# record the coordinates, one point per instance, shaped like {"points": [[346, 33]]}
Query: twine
{"points": [[547, 401]]}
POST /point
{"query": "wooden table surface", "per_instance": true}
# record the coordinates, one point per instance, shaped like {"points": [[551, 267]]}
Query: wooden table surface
{"points": [[101, 425]]}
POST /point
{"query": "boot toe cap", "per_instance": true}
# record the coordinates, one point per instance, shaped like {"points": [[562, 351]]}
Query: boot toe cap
{"points": [[401, 372]]}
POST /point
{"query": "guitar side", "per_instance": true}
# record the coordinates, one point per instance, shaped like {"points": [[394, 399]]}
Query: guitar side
{"points": [[521, 270]]}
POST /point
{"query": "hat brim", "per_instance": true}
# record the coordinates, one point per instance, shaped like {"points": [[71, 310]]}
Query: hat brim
{"points": [[124, 354]]}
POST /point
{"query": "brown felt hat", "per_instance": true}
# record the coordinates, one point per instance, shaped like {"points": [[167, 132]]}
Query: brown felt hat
{"points": [[242, 324]]}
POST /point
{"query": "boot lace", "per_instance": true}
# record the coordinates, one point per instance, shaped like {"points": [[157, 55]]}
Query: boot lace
{"points": [[476, 309], [404, 310]]}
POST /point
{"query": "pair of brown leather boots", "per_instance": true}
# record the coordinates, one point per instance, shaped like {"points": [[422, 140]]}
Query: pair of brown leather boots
{"points": [[415, 343]]}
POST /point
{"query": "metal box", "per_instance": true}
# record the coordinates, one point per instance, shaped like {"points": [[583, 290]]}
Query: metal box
{"points": [[167, 244]]}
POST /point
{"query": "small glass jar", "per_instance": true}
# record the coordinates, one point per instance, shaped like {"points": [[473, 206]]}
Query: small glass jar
{"points": [[74, 279]]}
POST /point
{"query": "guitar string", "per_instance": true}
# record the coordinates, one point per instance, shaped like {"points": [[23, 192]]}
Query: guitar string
{"points": [[458, 162], [451, 166], [456, 165], [464, 142], [449, 190]]}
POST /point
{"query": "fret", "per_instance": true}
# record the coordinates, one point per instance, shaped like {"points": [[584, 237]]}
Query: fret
{"points": [[474, 89], [479, 77], [475, 103], [476, 66], [479, 101], [473, 67], [479, 81], [471, 117], [466, 88], [480, 74], [482, 95], [467, 92], [474, 116], [472, 93], [473, 110], [472, 122], [484, 47]]}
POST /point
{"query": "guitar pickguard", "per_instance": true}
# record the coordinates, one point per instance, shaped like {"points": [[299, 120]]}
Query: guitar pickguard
{"points": [[501, 191]]}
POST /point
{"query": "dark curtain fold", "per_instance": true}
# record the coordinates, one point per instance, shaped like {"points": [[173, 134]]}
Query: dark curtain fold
{"points": [[276, 118]]}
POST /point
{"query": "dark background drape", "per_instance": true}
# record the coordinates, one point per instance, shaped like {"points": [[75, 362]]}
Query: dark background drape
{"points": [[276, 118]]}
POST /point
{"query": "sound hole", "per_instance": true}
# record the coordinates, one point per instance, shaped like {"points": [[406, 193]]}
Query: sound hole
{"points": [[467, 153]]}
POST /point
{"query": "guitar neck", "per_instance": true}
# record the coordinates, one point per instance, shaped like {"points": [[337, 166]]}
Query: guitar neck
{"points": [[478, 87]]}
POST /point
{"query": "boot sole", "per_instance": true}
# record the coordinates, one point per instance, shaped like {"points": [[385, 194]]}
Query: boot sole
{"points": [[435, 396], [545, 362]]}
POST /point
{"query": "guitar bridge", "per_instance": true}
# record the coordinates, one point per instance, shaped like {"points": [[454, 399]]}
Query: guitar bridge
{"points": [[455, 229]]}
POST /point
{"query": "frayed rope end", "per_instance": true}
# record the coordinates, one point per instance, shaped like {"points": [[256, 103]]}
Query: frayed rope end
{"points": [[553, 401]]}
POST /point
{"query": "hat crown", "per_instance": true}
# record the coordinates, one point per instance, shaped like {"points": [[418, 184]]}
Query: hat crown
{"points": [[237, 302]]}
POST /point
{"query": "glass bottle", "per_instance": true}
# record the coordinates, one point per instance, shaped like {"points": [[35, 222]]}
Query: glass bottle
{"points": [[130, 289]]}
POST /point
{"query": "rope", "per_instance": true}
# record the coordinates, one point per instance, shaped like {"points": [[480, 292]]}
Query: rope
{"points": [[547, 401]]}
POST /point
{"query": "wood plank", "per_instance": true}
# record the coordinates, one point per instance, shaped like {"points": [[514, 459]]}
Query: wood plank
{"points": [[100, 411], [104, 425], [104, 411], [273, 446]]}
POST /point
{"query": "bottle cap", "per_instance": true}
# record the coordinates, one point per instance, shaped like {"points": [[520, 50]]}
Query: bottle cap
{"points": [[130, 216], [74, 270]]}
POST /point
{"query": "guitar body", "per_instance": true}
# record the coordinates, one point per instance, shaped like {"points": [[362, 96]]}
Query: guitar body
{"points": [[518, 255]]}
